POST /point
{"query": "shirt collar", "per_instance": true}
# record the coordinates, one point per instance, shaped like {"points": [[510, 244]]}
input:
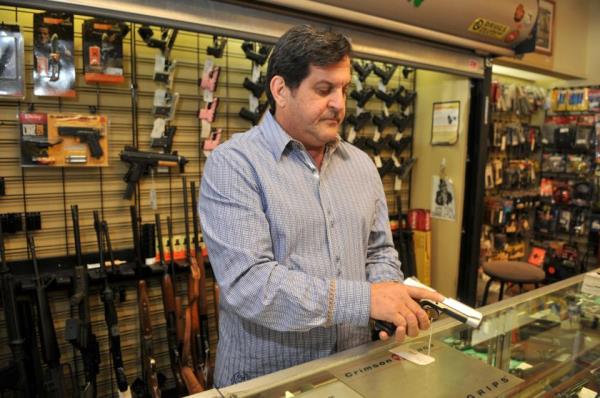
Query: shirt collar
{"points": [[277, 139], [275, 136]]}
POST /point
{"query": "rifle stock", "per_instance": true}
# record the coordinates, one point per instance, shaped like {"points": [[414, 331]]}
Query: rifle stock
{"points": [[191, 382], [110, 316], [170, 310], [150, 376], [78, 331], [180, 321], [208, 370], [53, 384], [194, 292], [135, 229]]}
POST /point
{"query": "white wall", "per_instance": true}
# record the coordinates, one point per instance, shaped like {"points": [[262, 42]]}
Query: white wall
{"points": [[592, 60]]}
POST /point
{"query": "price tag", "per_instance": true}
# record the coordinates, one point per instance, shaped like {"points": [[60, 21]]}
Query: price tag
{"points": [[252, 103], [158, 128], [587, 393], [413, 356], [208, 65], [351, 135], [207, 96], [377, 136], [255, 72], [357, 83], [153, 197], [377, 160], [397, 184], [206, 128]]}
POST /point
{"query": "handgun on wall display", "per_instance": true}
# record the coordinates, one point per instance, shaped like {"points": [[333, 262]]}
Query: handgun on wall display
{"points": [[140, 163], [210, 77], [208, 112], [259, 57], [87, 135], [449, 306], [216, 50]]}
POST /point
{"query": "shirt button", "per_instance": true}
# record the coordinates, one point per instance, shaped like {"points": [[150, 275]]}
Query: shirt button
{"points": [[337, 259], [339, 273]]}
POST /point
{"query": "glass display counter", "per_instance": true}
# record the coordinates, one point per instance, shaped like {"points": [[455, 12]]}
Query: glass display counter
{"points": [[543, 343]]}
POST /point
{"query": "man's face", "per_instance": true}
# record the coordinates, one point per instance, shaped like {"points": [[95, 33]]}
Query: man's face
{"points": [[43, 35], [315, 109]]}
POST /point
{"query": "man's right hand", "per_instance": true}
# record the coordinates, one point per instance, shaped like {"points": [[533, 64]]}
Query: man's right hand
{"points": [[395, 303]]}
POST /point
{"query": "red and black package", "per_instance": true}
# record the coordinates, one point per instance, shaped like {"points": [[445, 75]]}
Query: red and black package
{"points": [[103, 50]]}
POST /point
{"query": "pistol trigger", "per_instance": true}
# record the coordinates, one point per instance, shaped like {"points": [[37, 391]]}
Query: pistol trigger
{"points": [[432, 311]]}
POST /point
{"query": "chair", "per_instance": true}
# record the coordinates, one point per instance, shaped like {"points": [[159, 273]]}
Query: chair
{"points": [[511, 272]]}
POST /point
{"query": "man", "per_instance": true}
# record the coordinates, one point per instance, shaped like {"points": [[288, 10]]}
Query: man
{"points": [[296, 224]]}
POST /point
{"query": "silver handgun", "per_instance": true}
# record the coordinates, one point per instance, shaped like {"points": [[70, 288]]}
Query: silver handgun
{"points": [[450, 306]]}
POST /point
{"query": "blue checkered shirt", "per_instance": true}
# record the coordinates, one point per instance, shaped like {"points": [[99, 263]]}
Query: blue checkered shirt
{"points": [[293, 248]]}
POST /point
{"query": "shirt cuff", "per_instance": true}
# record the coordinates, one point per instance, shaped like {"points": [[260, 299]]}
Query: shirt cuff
{"points": [[349, 302]]}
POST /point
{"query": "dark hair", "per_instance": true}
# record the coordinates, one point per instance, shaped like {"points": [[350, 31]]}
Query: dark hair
{"points": [[300, 47]]}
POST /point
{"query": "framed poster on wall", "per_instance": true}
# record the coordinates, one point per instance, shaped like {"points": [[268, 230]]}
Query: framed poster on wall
{"points": [[444, 126], [545, 27]]}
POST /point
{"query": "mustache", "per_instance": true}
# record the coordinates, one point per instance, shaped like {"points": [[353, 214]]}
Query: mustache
{"points": [[333, 115]]}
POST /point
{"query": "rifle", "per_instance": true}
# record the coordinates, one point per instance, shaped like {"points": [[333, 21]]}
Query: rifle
{"points": [[16, 340], [180, 315], [106, 239], [170, 308], [140, 163], [150, 376], [170, 240], [187, 372], [137, 250], [203, 302], [53, 379], [193, 320], [110, 316], [88, 135], [78, 331]]}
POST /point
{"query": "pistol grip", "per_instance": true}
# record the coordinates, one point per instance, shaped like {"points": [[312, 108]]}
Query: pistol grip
{"points": [[384, 326], [95, 148]]}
